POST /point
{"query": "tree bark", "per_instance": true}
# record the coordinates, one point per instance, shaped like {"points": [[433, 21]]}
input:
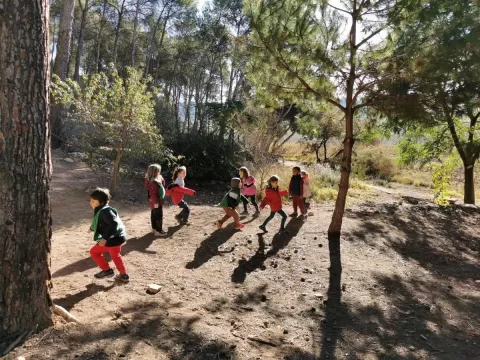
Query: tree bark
{"points": [[60, 67], [25, 170], [335, 227], [469, 187], [121, 12], [83, 23], [76, 75], [99, 35], [135, 26]]}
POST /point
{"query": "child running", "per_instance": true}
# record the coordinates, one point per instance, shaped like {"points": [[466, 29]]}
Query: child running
{"points": [[155, 185], [307, 193], [249, 190], [273, 198], [229, 203], [296, 191], [177, 191], [109, 233]]}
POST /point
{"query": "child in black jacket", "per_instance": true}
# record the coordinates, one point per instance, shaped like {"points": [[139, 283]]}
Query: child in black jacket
{"points": [[109, 233]]}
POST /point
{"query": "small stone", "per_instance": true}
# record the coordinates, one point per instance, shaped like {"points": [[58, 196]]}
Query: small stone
{"points": [[302, 279], [411, 348], [263, 298], [303, 257], [285, 331], [315, 238], [313, 309], [249, 241], [68, 160], [304, 294], [307, 339], [287, 258], [295, 251], [318, 296], [182, 288], [292, 307], [20, 358], [153, 288], [320, 245], [232, 322]]}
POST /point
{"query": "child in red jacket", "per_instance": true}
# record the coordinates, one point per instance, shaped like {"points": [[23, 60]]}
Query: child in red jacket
{"points": [[273, 198], [155, 185], [177, 191]]}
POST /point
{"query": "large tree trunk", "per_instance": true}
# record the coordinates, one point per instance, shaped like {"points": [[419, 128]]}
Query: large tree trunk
{"points": [[334, 230], [83, 22], [99, 35], [121, 12], [135, 26], [25, 170], [469, 187], [60, 67]]}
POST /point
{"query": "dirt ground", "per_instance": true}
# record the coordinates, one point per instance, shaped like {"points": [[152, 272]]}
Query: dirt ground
{"points": [[411, 282]]}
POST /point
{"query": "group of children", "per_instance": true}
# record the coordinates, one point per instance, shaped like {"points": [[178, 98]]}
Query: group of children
{"points": [[109, 231]]}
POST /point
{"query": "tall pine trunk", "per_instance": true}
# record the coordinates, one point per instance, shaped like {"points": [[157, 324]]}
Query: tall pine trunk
{"points": [[135, 27], [99, 36], [25, 170], [469, 187], [78, 59], [117, 32], [335, 228], [60, 67]]}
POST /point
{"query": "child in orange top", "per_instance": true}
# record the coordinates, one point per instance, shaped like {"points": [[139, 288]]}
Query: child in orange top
{"points": [[273, 198]]}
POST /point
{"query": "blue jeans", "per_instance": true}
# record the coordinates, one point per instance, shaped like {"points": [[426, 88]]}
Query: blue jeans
{"points": [[185, 213]]}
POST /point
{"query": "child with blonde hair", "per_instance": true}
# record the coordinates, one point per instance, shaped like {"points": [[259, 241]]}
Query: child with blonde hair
{"points": [[155, 185], [307, 193], [249, 190], [177, 191]]}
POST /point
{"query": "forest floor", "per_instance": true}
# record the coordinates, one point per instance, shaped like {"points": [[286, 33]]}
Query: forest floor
{"points": [[411, 282]]}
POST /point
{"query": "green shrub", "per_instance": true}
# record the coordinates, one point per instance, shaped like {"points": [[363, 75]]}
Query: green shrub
{"points": [[373, 163]]}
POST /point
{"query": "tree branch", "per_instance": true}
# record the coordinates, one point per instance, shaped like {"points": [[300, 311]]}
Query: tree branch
{"points": [[287, 67], [376, 32], [342, 10]]}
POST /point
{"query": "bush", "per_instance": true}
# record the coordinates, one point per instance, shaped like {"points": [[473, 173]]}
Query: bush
{"points": [[373, 163]]}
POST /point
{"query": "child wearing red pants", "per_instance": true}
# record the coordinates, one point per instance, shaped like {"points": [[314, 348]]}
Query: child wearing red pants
{"points": [[296, 192], [229, 204], [109, 233]]}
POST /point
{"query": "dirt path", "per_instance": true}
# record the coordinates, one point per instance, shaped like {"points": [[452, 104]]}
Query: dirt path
{"points": [[410, 274]]}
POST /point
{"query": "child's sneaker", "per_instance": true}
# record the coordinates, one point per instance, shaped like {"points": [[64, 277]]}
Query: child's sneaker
{"points": [[239, 226], [104, 273], [160, 233], [293, 215], [219, 225], [123, 278], [263, 228]]}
